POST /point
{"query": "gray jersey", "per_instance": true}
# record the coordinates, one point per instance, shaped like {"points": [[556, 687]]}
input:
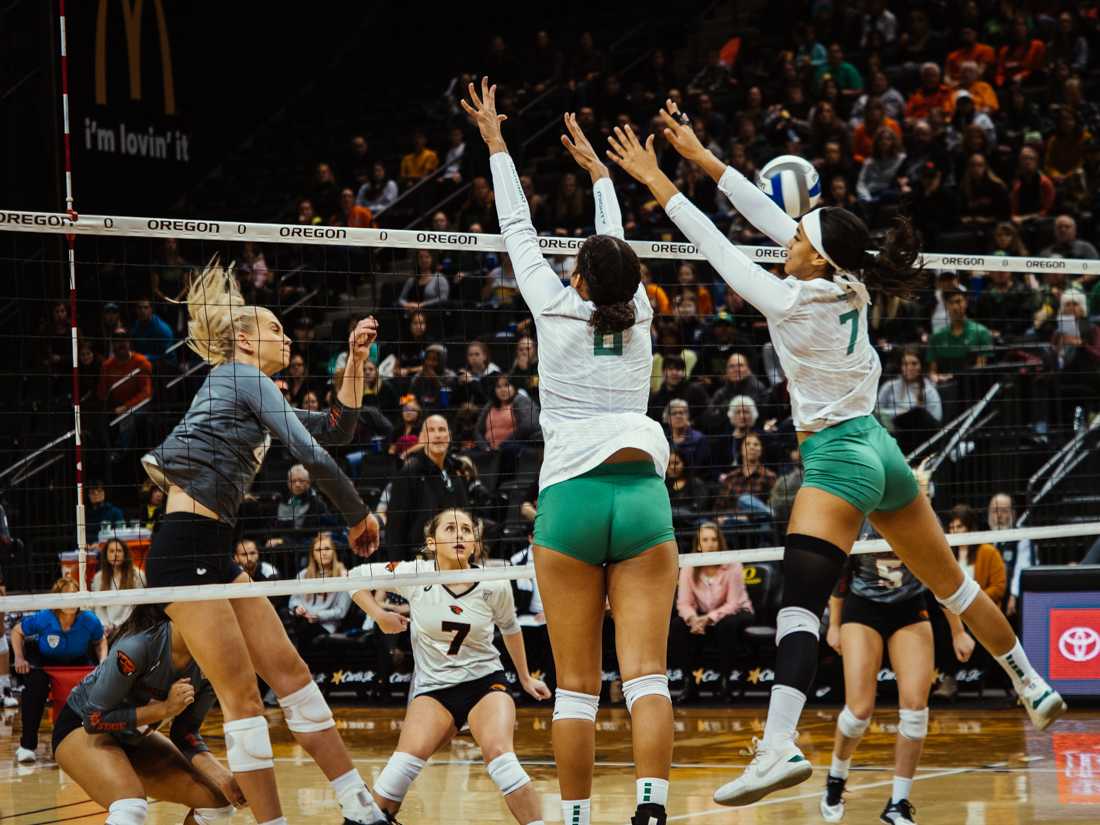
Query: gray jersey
{"points": [[879, 577], [137, 671], [214, 453]]}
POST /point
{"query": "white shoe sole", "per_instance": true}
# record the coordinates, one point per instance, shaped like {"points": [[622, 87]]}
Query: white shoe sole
{"points": [[831, 814], [1048, 712], [796, 775]]}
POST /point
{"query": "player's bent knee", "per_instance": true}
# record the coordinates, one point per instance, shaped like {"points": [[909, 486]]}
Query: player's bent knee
{"points": [[653, 684], [306, 710], [569, 704], [851, 725], [959, 601], [127, 812], [400, 772], [507, 773], [913, 724], [248, 745], [209, 816]]}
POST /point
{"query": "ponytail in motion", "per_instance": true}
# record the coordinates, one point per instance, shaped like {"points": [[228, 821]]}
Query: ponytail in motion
{"points": [[893, 271], [612, 272], [216, 311]]}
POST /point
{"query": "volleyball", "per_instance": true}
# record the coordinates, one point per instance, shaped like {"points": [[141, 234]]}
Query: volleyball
{"points": [[792, 182]]}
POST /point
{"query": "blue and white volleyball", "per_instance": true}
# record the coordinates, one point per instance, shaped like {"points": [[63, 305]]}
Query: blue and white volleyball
{"points": [[792, 182]]}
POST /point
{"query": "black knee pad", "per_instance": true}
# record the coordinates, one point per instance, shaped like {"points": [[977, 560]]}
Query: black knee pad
{"points": [[811, 567]]}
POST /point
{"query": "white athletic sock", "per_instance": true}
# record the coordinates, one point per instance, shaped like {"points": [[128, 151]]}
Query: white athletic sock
{"points": [[5, 681], [784, 710], [902, 787], [1017, 666], [356, 802], [536, 822], [651, 791], [279, 821], [840, 767], [576, 811]]}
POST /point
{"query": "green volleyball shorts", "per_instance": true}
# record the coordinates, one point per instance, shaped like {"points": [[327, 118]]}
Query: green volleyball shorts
{"points": [[860, 462], [610, 514]]}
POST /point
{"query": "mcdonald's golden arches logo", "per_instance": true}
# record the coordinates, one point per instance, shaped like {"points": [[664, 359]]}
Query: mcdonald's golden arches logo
{"points": [[131, 20]]}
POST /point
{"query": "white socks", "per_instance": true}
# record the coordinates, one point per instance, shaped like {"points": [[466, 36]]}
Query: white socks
{"points": [[840, 767], [651, 791], [576, 811], [784, 710], [280, 821], [1018, 667], [356, 802], [902, 787]]}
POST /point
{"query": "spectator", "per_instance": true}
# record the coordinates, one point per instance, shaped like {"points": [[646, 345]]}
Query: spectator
{"points": [[878, 177], [982, 563], [1019, 119], [920, 43], [1005, 306], [101, 513], [379, 193], [826, 127], [408, 431], [847, 77], [745, 488], [881, 21], [866, 131], [358, 160], [961, 344], [834, 163], [89, 366], [893, 101], [170, 278], [569, 210], [970, 82], [1068, 45], [434, 382], [1066, 243], [153, 501], [546, 64], [984, 198], [54, 336], [247, 555], [675, 384], [1020, 58], [454, 160], [688, 279], [711, 601], [307, 214], [1017, 555], [934, 206], [50, 638], [428, 289], [908, 391], [685, 439], [426, 484], [298, 380], [509, 421], [421, 161], [408, 355], [1032, 192], [932, 95], [1064, 161], [116, 572], [970, 50], [965, 120], [479, 208], [686, 491], [299, 510], [738, 381], [525, 367], [151, 335], [126, 379], [324, 192], [351, 213], [657, 295], [317, 614], [587, 63]]}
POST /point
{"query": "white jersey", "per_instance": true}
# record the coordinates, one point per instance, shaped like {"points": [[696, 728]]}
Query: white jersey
{"points": [[818, 328], [593, 389], [452, 631]]}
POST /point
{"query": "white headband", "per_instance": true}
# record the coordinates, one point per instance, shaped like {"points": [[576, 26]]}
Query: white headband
{"points": [[811, 225]]}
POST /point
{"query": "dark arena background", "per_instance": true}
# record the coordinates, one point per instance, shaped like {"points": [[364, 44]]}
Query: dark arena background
{"points": [[322, 150]]}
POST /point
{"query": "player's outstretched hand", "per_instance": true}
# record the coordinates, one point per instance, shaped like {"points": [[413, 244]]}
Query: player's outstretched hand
{"points": [[482, 110], [638, 161], [391, 623], [679, 133], [537, 688], [360, 339], [581, 149], [364, 536]]}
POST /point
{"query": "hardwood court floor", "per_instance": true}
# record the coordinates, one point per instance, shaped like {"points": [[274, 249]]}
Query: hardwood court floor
{"points": [[981, 767]]}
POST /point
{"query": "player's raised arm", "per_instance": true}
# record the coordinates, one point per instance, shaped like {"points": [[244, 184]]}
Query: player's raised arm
{"points": [[609, 219], [773, 297], [538, 283], [747, 198]]}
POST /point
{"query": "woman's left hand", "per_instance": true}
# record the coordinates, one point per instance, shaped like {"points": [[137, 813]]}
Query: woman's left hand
{"points": [[483, 112], [360, 340], [638, 161], [536, 688], [582, 150]]}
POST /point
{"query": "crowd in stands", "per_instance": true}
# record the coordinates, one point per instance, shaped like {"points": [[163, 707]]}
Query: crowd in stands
{"points": [[974, 118]]}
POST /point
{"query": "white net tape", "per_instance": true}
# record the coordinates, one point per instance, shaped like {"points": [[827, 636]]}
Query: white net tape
{"points": [[229, 231], [290, 587]]}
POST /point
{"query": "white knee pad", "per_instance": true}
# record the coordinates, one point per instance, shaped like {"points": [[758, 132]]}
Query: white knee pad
{"points": [[913, 724], [851, 725], [306, 710], [248, 745], [394, 781], [127, 812], [653, 684], [208, 816], [509, 775], [962, 598], [569, 704], [796, 620]]}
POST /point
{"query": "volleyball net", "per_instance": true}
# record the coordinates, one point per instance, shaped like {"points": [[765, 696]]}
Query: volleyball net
{"points": [[1013, 410]]}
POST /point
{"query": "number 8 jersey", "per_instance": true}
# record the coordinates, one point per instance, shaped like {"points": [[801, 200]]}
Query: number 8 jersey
{"points": [[451, 628]]}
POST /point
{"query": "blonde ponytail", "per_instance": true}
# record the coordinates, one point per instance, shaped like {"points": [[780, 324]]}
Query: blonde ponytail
{"points": [[216, 311]]}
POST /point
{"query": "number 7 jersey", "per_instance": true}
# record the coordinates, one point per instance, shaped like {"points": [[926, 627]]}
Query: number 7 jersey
{"points": [[451, 628]]}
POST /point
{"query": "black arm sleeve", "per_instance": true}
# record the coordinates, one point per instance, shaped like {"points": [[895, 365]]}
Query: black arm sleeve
{"points": [[398, 516], [333, 427], [184, 732]]}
